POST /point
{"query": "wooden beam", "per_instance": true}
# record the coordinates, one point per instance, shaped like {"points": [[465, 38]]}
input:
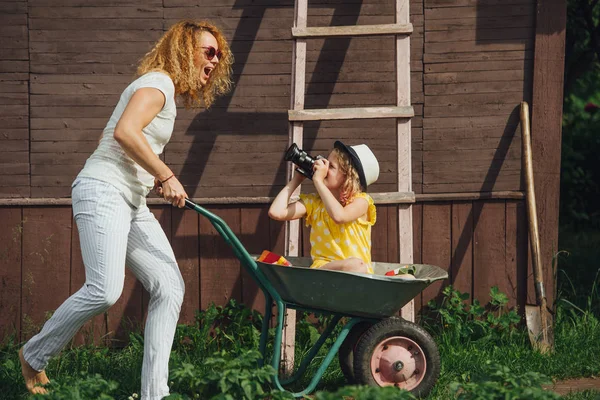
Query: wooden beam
{"points": [[353, 30], [548, 70], [378, 198], [351, 113], [403, 135]]}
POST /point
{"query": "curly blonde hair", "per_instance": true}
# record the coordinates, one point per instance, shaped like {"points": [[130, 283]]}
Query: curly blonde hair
{"points": [[351, 186], [174, 54]]}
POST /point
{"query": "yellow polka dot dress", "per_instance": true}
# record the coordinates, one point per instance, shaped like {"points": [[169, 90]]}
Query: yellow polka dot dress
{"points": [[330, 241]]}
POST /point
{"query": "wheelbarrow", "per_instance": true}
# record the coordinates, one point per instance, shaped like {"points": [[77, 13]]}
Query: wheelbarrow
{"points": [[375, 346]]}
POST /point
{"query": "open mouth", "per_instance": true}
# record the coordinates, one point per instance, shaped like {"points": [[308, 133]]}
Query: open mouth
{"points": [[207, 71]]}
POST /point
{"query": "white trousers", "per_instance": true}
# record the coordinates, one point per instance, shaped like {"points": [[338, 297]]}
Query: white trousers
{"points": [[114, 233]]}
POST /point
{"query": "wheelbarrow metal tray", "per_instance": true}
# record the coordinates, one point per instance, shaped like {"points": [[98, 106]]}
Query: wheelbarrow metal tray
{"points": [[370, 296]]}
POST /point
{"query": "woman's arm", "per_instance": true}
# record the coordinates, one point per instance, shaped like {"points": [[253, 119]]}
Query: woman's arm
{"points": [[280, 209], [338, 213], [143, 106]]}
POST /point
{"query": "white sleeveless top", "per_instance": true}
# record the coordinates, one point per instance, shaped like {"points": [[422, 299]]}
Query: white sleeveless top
{"points": [[110, 163]]}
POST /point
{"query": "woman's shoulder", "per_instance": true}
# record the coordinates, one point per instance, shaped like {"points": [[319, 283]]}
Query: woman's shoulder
{"points": [[159, 77]]}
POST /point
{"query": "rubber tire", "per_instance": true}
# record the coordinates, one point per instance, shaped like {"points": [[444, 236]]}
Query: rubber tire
{"points": [[346, 352], [397, 327]]}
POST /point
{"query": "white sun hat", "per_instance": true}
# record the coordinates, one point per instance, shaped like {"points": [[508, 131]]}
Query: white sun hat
{"points": [[363, 160]]}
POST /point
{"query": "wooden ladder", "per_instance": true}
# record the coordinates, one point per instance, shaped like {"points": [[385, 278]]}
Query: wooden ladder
{"points": [[402, 111]]}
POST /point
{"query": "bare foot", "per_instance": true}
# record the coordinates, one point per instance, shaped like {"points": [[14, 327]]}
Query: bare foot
{"points": [[32, 377]]}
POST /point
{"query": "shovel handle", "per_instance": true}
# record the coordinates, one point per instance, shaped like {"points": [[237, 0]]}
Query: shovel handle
{"points": [[534, 235]]}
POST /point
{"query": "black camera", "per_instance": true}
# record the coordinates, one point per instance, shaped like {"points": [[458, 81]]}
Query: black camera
{"points": [[299, 157]]}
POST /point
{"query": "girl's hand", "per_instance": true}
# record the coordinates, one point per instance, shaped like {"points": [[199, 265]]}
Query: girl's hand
{"points": [[172, 191], [320, 169]]}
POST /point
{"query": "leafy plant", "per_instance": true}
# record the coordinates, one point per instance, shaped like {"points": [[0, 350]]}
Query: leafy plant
{"points": [[79, 387], [366, 393], [456, 320], [224, 378], [498, 382]]}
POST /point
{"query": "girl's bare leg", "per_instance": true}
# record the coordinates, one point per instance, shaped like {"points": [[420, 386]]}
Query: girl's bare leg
{"points": [[351, 264]]}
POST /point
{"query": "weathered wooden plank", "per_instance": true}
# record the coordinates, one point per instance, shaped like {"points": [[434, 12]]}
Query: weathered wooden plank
{"points": [[10, 265], [83, 35], [13, 168], [46, 242], [353, 30], [13, 7], [94, 68], [13, 134], [13, 19], [546, 127], [464, 88], [14, 145], [436, 244], [13, 66], [500, 183], [417, 210], [479, 171], [105, 24], [476, 143], [91, 3], [134, 11], [479, 23], [467, 111], [516, 252], [379, 239], [14, 54], [255, 236], [471, 99], [14, 157], [477, 35], [486, 155], [480, 56], [479, 11], [477, 46], [472, 3], [351, 113], [474, 65], [90, 48], [47, 59], [14, 110], [14, 76], [219, 269], [185, 237], [462, 247], [489, 249], [15, 192], [14, 180], [475, 76], [14, 98], [466, 122]]}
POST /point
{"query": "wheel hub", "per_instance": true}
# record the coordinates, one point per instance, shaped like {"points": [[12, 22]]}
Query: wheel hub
{"points": [[398, 361]]}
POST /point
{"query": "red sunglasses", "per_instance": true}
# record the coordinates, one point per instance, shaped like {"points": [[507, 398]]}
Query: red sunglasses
{"points": [[211, 52]]}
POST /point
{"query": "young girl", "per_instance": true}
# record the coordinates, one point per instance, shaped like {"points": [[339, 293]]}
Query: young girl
{"points": [[340, 214]]}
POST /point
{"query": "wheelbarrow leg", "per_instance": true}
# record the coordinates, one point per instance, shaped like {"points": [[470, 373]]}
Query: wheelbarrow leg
{"points": [[314, 350], [264, 334]]}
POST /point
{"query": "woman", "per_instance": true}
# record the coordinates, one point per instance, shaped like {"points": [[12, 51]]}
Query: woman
{"points": [[192, 60]]}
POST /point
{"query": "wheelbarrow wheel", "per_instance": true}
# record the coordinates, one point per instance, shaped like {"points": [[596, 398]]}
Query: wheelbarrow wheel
{"points": [[346, 352], [395, 352]]}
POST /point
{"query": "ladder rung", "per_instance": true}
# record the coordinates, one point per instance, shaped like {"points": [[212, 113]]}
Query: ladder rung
{"points": [[351, 113], [353, 30]]}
